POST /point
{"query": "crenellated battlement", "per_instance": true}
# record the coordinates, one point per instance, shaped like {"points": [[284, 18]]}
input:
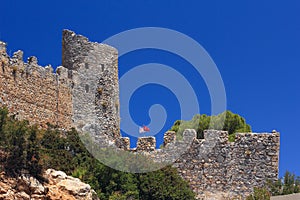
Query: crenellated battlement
{"points": [[33, 92], [213, 165], [16, 67], [84, 93]]}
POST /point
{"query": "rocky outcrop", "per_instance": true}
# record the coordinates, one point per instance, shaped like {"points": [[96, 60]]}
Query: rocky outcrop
{"points": [[57, 186]]}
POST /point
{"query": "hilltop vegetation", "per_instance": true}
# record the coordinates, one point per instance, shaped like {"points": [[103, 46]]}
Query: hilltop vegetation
{"points": [[227, 121], [26, 149], [288, 184]]}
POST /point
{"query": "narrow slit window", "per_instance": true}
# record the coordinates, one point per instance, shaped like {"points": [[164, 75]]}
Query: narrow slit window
{"points": [[87, 88]]}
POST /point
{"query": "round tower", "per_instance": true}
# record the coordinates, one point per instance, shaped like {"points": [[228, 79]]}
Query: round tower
{"points": [[93, 69]]}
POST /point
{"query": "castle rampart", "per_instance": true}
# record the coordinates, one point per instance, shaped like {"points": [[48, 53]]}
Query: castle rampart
{"points": [[84, 93], [215, 167], [232, 169], [32, 92]]}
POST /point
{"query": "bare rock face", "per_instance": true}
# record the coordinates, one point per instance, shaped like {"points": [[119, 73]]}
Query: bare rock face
{"points": [[62, 186], [58, 186]]}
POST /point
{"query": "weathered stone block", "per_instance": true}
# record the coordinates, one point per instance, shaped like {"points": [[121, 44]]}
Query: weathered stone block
{"points": [[169, 137], [146, 144], [123, 143]]}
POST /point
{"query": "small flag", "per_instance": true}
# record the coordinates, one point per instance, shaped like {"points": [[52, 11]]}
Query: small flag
{"points": [[144, 129]]}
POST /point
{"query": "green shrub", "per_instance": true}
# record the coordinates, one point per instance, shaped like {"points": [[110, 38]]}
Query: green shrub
{"points": [[288, 184], [259, 194], [227, 121], [32, 150]]}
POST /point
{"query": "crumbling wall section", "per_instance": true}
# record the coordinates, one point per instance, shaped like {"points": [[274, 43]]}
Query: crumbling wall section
{"points": [[215, 167]]}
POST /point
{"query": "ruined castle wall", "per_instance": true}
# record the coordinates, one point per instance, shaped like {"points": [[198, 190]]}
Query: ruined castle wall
{"points": [[85, 94], [215, 167], [96, 88], [32, 92]]}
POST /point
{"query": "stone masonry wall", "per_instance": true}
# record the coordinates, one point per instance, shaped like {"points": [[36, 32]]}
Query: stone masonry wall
{"points": [[32, 92], [95, 85], [217, 168], [84, 94]]}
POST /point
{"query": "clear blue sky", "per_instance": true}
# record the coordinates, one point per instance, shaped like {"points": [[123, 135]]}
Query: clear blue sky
{"points": [[255, 44]]}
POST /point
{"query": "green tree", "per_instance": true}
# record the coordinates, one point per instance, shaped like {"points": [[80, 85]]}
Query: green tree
{"points": [[32, 153], [15, 146], [275, 187], [290, 183], [259, 194], [226, 121], [3, 116], [164, 184], [56, 152], [31, 150]]}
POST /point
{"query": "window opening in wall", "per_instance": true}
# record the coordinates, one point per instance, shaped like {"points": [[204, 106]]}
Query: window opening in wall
{"points": [[87, 88]]}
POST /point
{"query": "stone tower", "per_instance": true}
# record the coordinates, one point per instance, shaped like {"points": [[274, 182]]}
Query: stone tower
{"points": [[84, 93], [93, 69]]}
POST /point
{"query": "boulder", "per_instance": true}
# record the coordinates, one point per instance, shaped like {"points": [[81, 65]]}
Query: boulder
{"points": [[59, 186]]}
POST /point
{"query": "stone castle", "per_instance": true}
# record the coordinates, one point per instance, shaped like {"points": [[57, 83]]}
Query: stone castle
{"points": [[84, 93]]}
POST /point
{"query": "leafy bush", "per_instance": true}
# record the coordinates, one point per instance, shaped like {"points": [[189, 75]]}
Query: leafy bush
{"points": [[288, 184], [32, 150], [164, 184], [21, 145], [226, 121], [259, 194]]}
